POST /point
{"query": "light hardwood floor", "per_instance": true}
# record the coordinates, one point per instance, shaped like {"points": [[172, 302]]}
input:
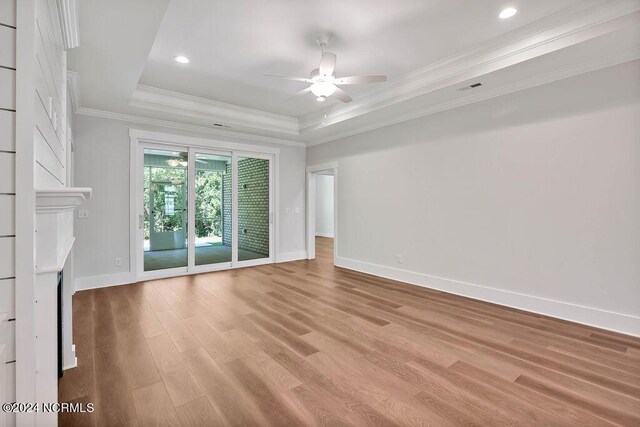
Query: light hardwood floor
{"points": [[305, 343]]}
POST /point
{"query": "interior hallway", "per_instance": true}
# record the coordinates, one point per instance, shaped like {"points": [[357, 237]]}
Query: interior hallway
{"points": [[305, 343]]}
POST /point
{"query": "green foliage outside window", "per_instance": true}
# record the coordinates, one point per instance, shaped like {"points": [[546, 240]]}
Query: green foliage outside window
{"points": [[168, 181]]}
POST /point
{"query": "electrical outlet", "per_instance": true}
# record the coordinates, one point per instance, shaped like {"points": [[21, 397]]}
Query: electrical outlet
{"points": [[287, 210], [117, 262], [295, 244], [83, 213], [399, 259], [297, 210]]}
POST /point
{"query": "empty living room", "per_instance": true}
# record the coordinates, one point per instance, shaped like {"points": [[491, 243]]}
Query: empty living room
{"points": [[310, 213]]}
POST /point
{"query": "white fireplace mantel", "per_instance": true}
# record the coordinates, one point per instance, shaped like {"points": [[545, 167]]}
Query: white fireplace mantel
{"points": [[54, 239], [54, 225]]}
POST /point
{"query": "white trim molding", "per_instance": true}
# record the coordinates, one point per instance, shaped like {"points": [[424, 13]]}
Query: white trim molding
{"points": [[584, 21], [104, 281], [128, 277], [312, 171], [68, 14], [187, 127], [291, 256], [618, 322], [329, 235], [73, 82], [490, 93], [167, 101]]}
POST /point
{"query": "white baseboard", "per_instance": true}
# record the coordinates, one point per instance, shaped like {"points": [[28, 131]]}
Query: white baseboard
{"points": [[617, 322], [125, 278], [103, 281], [291, 256], [330, 235], [74, 362]]}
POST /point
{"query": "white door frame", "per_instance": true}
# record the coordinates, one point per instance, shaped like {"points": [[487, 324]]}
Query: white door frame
{"points": [[312, 172], [167, 141], [138, 209], [192, 212]]}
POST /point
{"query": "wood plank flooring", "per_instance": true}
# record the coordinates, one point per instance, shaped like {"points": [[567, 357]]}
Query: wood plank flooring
{"points": [[305, 343]]}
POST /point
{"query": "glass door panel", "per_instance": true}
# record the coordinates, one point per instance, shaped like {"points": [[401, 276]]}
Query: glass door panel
{"points": [[165, 209], [253, 210], [213, 204]]}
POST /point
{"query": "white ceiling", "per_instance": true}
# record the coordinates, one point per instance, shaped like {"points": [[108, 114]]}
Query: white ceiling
{"points": [[232, 43], [428, 48]]}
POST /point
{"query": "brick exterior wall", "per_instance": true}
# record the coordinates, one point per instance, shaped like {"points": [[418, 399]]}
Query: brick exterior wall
{"points": [[226, 207], [253, 206]]}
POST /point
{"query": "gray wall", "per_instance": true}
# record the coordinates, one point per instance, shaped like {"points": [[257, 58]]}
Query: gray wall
{"points": [[529, 198], [102, 162]]}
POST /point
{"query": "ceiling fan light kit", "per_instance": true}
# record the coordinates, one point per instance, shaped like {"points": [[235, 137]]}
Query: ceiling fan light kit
{"points": [[324, 82]]}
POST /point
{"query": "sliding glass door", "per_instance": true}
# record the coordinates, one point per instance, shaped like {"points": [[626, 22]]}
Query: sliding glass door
{"points": [[213, 207], [165, 209], [203, 210]]}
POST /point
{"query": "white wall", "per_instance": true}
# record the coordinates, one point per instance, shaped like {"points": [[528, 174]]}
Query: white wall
{"points": [[102, 162], [7, 207], [530, 200], [324, 205]]}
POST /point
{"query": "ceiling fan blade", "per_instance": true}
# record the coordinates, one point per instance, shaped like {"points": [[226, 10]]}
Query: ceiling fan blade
{"points": [[341, 95], [327, 64], [302, 92], [284, 76], [356, 80]]}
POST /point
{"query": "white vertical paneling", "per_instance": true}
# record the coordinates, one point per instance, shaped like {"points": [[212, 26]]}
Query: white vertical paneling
{"points": [[7, 260], [9, 391], [7, 297], [7, 215], [7, 89], [8, 339], [7, 130], [7, 206], [7, 47], [8, 12], [7, 173]]}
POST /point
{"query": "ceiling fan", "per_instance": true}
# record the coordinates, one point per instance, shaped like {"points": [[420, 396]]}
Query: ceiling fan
{"points": [[323, 80], [181, 161]]}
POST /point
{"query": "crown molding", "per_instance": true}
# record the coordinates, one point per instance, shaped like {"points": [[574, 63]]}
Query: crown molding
{"points": [[186, 127], [68, 14], [192, 106], [539, 80], [72, 82], [587, 20]]}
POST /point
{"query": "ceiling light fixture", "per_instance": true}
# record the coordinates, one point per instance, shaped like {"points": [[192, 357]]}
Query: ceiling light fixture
{"points": [[508, 13], [321, 98], [321, 88], [182, 59]]}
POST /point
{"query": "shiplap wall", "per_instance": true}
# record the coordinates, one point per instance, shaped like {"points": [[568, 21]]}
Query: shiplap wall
{"points": [[51, 101], [7, 205], [50, 142]]}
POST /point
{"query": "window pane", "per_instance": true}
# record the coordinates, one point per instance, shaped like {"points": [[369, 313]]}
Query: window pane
{"points": [[213, 209]]}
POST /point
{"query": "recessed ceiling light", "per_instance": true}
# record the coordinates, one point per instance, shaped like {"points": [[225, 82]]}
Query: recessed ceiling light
{"points": [[182, 59], [508, 13]]}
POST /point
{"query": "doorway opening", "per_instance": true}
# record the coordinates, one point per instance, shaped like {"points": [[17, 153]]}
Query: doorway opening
{"points": [[322, 208]]}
